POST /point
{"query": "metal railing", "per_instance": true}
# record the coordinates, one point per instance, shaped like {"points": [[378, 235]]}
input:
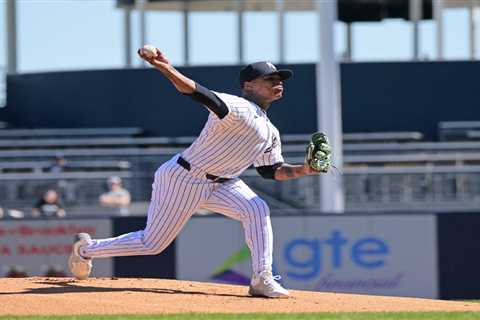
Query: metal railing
{"points": [[387, 189], [434, 188], [437, 178]]}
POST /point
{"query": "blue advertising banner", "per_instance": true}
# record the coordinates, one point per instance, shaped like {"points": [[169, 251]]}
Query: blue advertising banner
{"points": [[374, 254]]}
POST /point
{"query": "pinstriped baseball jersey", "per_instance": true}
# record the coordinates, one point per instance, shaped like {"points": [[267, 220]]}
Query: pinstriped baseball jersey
{"points": [[228, 146], [225, 148]]}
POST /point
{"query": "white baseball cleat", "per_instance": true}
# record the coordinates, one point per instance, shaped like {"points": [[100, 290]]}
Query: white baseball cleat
{"points": [[265, 285], [79, 266]]}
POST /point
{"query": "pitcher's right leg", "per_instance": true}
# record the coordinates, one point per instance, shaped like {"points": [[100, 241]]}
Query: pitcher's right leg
{"points": [[175, 197]]}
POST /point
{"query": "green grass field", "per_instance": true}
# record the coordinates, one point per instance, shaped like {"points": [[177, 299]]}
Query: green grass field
{"points": [[293, 316]]}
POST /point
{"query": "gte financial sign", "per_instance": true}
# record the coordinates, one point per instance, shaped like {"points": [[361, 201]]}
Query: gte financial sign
{"points": [[339, 263]]}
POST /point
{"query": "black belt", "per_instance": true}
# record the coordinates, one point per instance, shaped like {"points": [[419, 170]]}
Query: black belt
{"points": [[186, 165]]}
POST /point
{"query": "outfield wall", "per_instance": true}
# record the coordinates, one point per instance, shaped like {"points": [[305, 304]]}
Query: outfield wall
{"points": [[404, 254]]}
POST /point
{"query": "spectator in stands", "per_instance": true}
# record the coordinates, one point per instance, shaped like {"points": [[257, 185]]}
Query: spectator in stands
{"points": [[117, 196], [49, 205], [59, 164]]}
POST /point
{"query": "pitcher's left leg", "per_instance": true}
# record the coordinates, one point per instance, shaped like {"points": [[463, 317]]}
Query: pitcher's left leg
{"points": [[236, 200]]}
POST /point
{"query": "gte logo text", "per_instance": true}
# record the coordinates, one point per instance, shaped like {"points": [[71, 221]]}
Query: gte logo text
{"points": [[306, 258]]}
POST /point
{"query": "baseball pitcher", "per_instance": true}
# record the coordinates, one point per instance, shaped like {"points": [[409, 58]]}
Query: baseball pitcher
{"points": [[236, 135]]}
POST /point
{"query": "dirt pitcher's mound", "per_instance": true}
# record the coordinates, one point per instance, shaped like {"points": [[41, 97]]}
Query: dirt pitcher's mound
{"points": [[49, 296]]}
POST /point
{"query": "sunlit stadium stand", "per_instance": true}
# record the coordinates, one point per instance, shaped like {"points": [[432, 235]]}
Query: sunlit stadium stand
{"points": [[382, 171]]}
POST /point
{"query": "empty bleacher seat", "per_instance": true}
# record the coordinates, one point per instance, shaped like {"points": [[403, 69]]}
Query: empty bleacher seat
{"points": [[94, 142], [69, 132], [473, 134], [361, 137], [71, 166], [458, 130], [376, 137]]}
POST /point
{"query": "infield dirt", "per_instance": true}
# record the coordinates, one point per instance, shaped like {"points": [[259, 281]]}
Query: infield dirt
{"points": [[66, 296]]}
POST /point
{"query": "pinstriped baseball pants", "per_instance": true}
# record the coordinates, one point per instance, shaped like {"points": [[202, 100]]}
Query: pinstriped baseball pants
{"points": [[176, 195]]}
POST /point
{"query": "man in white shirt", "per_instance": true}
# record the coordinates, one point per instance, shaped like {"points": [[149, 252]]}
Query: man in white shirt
{"points": [[117, 196]]}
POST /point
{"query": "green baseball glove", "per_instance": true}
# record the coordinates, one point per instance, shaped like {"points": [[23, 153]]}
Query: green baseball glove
{"points": [[318, 152]]}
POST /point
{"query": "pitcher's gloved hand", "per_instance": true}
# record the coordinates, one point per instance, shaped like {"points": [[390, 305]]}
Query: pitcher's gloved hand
{"points": [[318, 154]]}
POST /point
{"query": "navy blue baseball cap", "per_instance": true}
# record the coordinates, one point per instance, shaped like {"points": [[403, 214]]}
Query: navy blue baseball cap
{"points": [[260, 69]]}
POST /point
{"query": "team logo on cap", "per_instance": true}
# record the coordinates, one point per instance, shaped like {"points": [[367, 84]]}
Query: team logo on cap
{"points": [[271, 65]]}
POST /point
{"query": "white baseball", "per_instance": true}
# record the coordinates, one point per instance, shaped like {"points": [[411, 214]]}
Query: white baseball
{"points": [[149, 51]]}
